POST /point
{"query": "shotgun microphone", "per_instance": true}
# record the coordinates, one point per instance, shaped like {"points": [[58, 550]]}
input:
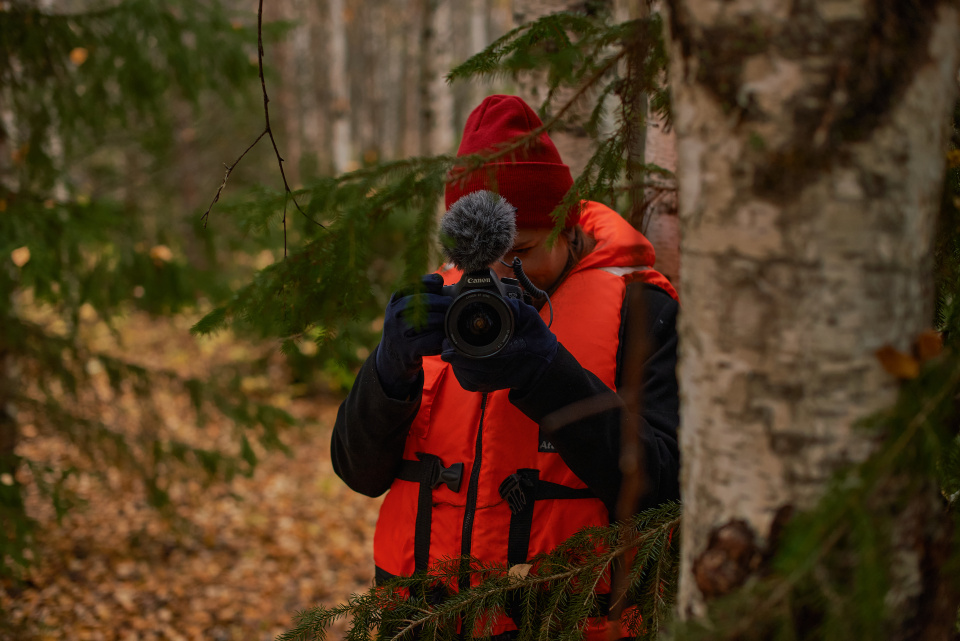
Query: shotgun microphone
{"points": [[478, 230]]}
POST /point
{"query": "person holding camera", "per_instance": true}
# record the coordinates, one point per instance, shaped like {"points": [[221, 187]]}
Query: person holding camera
{"points": [[504, 455]]}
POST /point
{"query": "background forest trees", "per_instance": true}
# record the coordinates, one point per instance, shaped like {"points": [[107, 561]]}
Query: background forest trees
{"points": [[93, 104], [801, 181]]}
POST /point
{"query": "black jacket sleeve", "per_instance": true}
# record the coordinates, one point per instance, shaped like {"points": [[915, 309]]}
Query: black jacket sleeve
{"points": [[582, 417], [370, 432]]}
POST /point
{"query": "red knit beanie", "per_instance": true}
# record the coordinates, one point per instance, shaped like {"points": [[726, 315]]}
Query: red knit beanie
{"points": [[532, 178]]}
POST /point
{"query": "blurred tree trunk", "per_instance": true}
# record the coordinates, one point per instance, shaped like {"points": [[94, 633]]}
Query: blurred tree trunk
{"points": [[635, 106], [409, 135], [572, 141], [809, 185], [394, 98], [287, 55], [307, 48], [425, 113], [653, 209], [480, 31], [436, 98], [339, 87]]}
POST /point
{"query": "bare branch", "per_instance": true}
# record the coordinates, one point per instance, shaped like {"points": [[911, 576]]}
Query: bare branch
{"points": [[226, 176], [267, 131]]}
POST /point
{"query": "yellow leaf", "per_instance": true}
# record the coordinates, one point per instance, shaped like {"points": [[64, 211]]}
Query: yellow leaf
{"points": [[953, 158], [79, 55], [161, 254], [898, 364], [20, 256]]}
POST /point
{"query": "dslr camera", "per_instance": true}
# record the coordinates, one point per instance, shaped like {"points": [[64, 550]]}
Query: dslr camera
{"points": [[479, 322]]}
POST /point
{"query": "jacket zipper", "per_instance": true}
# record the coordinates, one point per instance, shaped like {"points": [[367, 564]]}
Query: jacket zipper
{"points": [[472, 491]]}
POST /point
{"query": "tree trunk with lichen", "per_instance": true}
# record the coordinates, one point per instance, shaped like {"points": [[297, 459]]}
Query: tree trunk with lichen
{"points": [[811, 138]]}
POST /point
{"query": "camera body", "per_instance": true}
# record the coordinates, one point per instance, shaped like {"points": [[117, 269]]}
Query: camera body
{"points": [[479, 322]]}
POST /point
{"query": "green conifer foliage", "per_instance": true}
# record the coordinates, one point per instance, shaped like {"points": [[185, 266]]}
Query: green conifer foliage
{"points": [[86, 87]]}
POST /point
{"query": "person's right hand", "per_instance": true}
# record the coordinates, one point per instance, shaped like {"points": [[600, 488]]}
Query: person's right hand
{"points": [[412, 329]]}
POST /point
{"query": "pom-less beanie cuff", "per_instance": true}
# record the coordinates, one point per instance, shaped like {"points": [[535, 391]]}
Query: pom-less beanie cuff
{"points": [[535, 182]]}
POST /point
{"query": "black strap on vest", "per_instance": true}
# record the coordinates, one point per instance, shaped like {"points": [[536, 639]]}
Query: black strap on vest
{"points": [[429, 472], [521, 490]]}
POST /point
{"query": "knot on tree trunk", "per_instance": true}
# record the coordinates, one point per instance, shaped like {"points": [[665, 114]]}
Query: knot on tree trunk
{"points": [[731, 556]]}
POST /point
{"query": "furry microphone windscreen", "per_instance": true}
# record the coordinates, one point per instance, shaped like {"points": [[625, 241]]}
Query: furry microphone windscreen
{"points": [[477, 230]]}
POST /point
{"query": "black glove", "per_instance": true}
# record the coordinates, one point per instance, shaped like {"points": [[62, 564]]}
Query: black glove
{"points": [[407, 338], [519, 365]]}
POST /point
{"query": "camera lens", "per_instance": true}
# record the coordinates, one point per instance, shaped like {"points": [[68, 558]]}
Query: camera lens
{"points": [[479, 323]]}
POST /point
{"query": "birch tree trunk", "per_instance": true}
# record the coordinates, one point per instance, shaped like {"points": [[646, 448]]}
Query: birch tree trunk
{"points": [[811, 139]]}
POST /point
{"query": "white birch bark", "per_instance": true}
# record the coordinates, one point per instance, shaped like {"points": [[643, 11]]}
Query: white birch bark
{"points": [[806, 239]]}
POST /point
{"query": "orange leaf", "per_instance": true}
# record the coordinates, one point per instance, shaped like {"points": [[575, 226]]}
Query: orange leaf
{"points": [[929, 345], [79, 55], [901, 365]]}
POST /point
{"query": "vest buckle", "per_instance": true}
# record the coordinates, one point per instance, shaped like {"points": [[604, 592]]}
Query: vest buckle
{"points": [[449, 476], [514, 491]]}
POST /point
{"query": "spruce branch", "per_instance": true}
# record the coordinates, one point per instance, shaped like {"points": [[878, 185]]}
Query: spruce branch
{"points": [[557, 596]]}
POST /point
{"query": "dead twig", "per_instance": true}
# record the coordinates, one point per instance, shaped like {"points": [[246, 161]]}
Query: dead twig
{"points": [[267, 131]]}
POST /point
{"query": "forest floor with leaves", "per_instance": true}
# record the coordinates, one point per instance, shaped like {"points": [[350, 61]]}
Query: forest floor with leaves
{"points": [[230, 560]]}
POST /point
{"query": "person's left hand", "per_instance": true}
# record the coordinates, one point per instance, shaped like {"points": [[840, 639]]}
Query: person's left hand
{"points": [[519, 365]]}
